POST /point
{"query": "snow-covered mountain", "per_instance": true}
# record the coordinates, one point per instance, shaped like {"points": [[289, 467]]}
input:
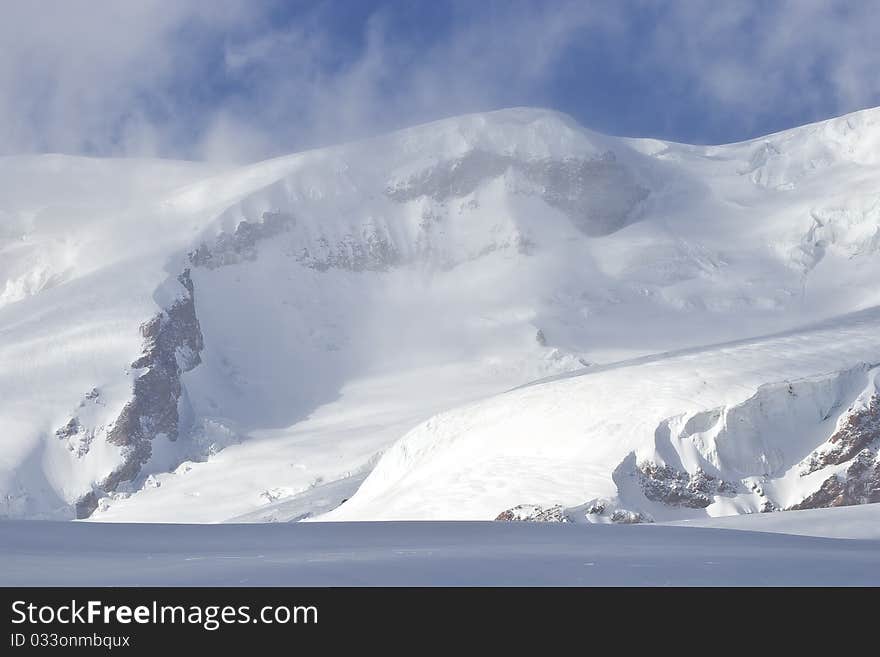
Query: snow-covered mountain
{"points": [[500, 314]]}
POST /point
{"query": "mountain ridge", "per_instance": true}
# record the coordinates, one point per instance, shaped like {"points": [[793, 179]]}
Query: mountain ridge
{"points": [[484, 251]]}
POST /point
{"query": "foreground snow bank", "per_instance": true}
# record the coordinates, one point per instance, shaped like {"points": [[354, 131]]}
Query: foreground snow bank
{"points": [[430, 553], [848, 522]]}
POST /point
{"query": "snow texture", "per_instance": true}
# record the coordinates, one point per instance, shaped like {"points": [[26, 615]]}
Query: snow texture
{"points": [[413, 554]]}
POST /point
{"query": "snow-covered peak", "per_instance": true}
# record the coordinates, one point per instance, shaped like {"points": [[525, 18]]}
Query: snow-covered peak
{"points": [[526, 133], [784, 159], [193, 333]]}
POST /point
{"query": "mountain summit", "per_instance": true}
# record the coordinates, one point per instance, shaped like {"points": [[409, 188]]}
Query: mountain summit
{"points": [[495, 315]]}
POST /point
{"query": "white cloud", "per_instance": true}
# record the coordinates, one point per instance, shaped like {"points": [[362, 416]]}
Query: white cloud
{"points": [[129, 77], [310, 98], [787, 57], [74, 75]]}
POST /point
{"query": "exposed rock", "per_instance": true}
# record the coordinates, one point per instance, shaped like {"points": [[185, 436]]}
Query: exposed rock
{"points": [[596, 508], [372, 250], [86, 505], [857, 431], [68, 430], [602, 510], [858, 484], [452, 179], [598, 194], [856, 441], [241, 245], [665, 484], [624, 517], [79, 438], [75, 432], [533, 513], [172, 343], [540, 338]]}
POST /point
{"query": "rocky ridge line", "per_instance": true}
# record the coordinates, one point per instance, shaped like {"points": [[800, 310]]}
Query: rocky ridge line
{"points": [[172, 344]]}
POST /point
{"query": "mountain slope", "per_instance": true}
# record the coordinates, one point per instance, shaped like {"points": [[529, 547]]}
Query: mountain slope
{"points": [[737, 428], [181, 342]]}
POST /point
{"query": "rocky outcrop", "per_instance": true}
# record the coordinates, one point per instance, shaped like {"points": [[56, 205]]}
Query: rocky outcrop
{"points": [[598, 194], [604, 510], [595, 511], [858, 484], [856, 442], [857, 430], [757, 446], [172, 344], [369, 250], [241, 245], [372, 250], [540, 338], [533, 513], [624, 517], [69, 430], [665, 484], [451, 179], [79, 438], [77, 433]]}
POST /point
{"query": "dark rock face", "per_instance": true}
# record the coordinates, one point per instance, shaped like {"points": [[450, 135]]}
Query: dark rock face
{"points": [[533, 513], [599, 194], [76, 433], [558, 513], [857, 441], [372, 250], [70, 429], [624, 517], [540, 338], [79, 438], [452, 179], [604, 510], [596, 508], [665, 484], [861, 429], [241, 245], [172, 343], [858, 484], [86, 505]]}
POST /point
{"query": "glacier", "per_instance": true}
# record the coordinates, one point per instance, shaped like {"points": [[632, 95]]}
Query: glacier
{"points": [[488, 312]]}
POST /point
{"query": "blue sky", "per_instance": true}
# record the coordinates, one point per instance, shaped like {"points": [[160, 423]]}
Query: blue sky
{"points": [[246, 79]]}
